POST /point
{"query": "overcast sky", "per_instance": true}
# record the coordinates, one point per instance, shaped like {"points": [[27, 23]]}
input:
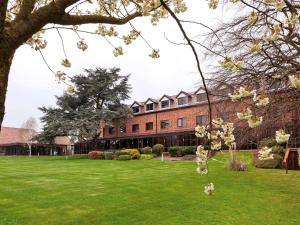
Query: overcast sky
{"points": [[32, 85]]}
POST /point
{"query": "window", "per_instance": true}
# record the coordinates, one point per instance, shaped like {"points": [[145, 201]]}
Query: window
{"points": [[122, 129], [200, 120], [149, 107], [165, 104], [135, 109], [182, 100], [181, 122], [135, 128], [111, 130], [149, 126], [164, 124], [201, 97]]}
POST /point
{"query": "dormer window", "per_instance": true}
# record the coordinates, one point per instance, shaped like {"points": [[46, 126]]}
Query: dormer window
{"points": [[136, 109], [201, 97], [182, 100], [149, 107], [165, 104]]}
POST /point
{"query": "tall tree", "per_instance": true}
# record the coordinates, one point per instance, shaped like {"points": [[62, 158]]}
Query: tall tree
{"points": [[29, 132], [24, 21], [96, 98]]}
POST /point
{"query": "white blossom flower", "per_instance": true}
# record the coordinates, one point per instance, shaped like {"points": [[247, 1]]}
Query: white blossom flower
{"points": [[245, 115], [200, 131], [154, 54], [36, 41], [216, 145], [60, 75], [252, 18], [293, 20], [255, 47], [70, 89], [217, 122], [201, 155], [295, 80], [265, 153], [254, 121], [82, 45], [281, 136], [66, 63], [118, 51], [213, 135], [208, 189], [242, 92], [202, 170], [213, 4], [261, 100]]}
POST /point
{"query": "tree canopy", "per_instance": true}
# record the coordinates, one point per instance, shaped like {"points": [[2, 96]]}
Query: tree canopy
{"points": [[96, 99]]}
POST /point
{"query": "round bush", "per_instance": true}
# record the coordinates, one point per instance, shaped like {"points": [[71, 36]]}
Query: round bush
{"points": [[96, 155], [146, 150], [158, 149], [108, 155], [124, 157]]}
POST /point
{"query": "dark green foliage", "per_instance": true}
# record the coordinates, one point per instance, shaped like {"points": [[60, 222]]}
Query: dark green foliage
{"points": [[278, 149], [269, 142], [146, 150], [118, 153], [124, 157], [98, 97], [158, 149], [178, 151], [109, 155]]}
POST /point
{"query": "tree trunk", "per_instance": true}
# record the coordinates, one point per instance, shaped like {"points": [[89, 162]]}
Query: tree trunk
{"points": [[29, 150], [6, 56]]}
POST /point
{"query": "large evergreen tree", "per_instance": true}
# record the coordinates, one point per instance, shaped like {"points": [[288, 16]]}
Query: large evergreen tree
{"points": [[97, 99]]}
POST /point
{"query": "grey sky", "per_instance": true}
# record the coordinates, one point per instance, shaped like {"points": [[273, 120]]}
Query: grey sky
{"points": [[32, 85]]}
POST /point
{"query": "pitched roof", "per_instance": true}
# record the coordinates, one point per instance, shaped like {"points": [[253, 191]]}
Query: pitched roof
{"points": [[11, 135], [63, 140], [152, 100], [183, 92], [167, 96], [138, 103]]}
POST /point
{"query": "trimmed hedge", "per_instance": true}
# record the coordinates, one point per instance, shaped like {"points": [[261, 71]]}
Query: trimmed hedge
{"points": [[146, 156], [96, 155], [108, 155], [124, 157], [178, 151]]}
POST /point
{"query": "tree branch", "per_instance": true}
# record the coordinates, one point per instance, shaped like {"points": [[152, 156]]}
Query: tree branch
{"points": [[26, 8], [3, 8], [68, 19]]}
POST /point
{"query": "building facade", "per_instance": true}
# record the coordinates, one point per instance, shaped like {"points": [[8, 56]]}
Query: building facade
{"points": [[171, 121]]}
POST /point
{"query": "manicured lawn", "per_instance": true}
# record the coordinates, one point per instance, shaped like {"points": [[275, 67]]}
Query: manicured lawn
{"points": [[79, 191]]}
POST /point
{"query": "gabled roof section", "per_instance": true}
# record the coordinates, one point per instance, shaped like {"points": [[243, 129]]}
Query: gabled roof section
{"points": [[200, 90], [151, 100], [165, 96], [136, 103], [183, 93]]}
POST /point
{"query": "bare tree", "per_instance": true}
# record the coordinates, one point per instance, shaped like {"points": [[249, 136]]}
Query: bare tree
{"points": [[29, 131]]}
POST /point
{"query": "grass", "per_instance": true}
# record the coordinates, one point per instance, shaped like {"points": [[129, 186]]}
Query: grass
{"points": [[56, 191]]}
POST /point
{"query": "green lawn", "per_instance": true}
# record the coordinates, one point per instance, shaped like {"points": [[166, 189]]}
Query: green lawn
{"points": [[79, 191]]}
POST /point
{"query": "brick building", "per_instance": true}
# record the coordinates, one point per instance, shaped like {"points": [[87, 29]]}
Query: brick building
{"points": [[171, 120]]}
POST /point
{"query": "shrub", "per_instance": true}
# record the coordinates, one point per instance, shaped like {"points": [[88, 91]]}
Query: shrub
{"points": [[278, 149], [124, 157], [109, 155], [146, 150], [182, 150], [236, 165], [158, 149], [96, 155], [118, 153], [269, 142], [173, 151], [146, 156], [134, 153], [276, 162]]}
